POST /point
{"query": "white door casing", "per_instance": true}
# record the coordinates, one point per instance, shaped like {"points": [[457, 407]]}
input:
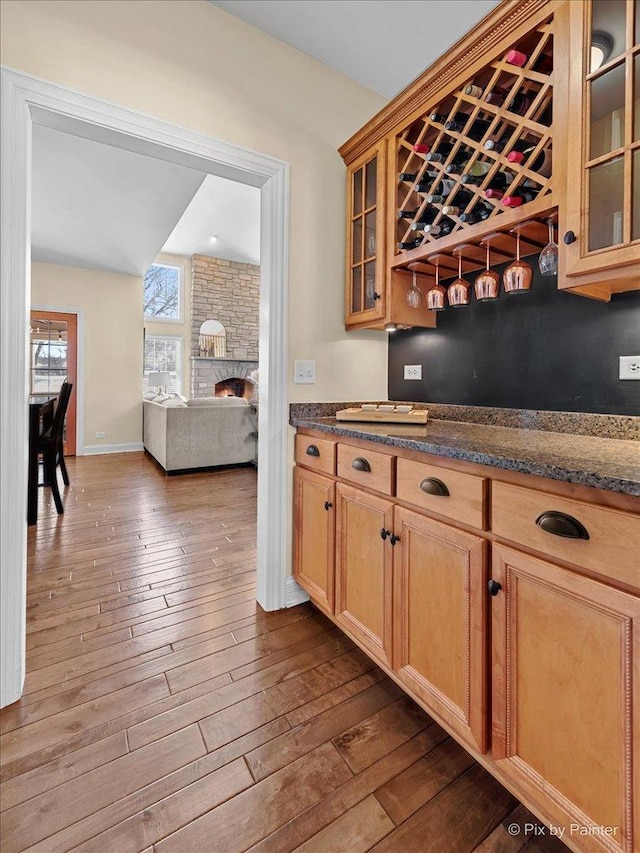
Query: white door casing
{"points": [[27, 100]]}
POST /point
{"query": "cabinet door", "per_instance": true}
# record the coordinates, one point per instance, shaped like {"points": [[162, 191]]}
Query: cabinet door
{"points": [[314, 535], [566, 702], [440, 616], [363, 569], [603, 188], [365, 300]]}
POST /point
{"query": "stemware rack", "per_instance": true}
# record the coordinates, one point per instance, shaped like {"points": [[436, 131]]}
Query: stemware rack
{"points": [[530, 86]]}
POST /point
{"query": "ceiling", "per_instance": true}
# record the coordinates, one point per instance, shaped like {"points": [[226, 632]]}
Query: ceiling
{"points": [[381, 44], [223, 209], [100, 207]]}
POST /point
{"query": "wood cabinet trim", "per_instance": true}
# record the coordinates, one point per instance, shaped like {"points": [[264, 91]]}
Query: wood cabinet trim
{"points": [[459, 60]]}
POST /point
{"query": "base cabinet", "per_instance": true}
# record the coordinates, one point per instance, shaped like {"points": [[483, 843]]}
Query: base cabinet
{"points": [[314, 542], [565, 699], [534, 668], [440, 615], [364, 555]]}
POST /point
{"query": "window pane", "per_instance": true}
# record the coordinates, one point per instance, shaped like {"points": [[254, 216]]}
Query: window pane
{"points": [[636, 98], [356, 249], [369, 285], [162, 292], [356, 290], [370, 234], [163, 355], [371, 181], [607, 112], [635, 233], [357, 192], [606, 190], [609, 18]]}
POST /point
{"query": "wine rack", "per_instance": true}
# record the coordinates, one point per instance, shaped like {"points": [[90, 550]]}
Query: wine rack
{"points": [[489, 138]]}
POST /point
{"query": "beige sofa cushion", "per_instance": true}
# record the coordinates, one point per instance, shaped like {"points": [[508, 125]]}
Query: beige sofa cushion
{"points": [[217, 401]]}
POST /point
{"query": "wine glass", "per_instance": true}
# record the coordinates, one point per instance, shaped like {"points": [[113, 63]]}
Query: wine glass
{"points": [[458, 292], [414, 294], [437, 296], [517, 276], [548, 260], [487, 285]]}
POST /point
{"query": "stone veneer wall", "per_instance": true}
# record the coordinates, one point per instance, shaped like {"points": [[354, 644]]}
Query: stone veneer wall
{"points": [[227, 291]]}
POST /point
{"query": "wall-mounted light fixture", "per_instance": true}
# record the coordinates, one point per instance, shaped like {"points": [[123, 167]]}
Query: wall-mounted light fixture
{"points": [[601, 47]]}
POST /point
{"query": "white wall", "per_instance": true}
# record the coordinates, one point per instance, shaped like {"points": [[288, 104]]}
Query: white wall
{"points": [[190, 63], [112, 347]]}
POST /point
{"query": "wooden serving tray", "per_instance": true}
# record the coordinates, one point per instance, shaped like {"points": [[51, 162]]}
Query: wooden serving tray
{"points": [[416, 416]]}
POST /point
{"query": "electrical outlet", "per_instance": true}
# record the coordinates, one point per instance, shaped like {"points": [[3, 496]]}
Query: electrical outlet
{"points": [[629, 367], [304, 372], [413, 371], [101, 434]]}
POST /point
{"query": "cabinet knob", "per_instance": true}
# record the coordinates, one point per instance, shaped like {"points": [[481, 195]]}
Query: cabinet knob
{"points": [[328, 505], [433, 486], [494, 587], [561, 524], [377, 296], [394, 538], [384, 533], [312, 450], [360, 464], [569, 237]]}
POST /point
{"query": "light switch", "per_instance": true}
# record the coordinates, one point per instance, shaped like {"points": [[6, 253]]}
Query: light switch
{"points": [[304, 372]]}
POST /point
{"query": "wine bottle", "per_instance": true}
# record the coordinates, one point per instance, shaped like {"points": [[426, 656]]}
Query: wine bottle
{"points": [[443, 187], [438, 118], [421, 148], [541, 164], [407, 214], [462, 198], [409, 244], [407, 176], [478, 214], [473, 90], [437, 198], [500, 180], [518, 105], [426, 182], [500, 144], [519, 197], [478, 168], [543, 64], [439, 156], [493, 193], [426, 218], [497, 96], [444, 227], [475, 132]]}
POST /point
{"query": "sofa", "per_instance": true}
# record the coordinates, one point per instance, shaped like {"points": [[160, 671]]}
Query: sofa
{"points": [[186, 434]]}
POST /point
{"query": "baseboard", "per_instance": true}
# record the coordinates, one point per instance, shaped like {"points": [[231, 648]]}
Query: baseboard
{"points": [[95, 449], [294, 594]]}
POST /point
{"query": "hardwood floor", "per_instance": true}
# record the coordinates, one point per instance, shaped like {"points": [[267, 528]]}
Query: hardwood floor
{"points": [[165, 711]]}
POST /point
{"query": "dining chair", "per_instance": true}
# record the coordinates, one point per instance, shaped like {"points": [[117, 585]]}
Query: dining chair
{"points": [[50, 445]]}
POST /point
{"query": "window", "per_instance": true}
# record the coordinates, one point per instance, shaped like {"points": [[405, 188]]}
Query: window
{"points": [[164, 355], [162, 292]]}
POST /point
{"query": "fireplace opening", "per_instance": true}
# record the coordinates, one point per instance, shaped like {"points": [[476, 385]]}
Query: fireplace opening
{"points": [[234, 387]]}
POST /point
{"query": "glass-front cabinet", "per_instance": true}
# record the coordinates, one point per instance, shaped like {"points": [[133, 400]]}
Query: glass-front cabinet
{"points": [[602, 225], [365, 293]]}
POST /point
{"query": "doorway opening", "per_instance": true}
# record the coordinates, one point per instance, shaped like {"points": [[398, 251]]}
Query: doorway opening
{"points": [[53, 357]]}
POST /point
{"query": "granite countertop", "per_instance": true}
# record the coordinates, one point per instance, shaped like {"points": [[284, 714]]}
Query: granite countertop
{"points": [[604, 463]]}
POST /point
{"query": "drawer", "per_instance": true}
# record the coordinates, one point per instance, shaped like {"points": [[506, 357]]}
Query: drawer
{"points": [[460, 497], [316, 453], [613, 546], [367, 468]]}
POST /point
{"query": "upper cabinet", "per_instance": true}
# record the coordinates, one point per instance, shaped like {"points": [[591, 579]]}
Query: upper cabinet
{"points": [[513, 130], [602, 222]]}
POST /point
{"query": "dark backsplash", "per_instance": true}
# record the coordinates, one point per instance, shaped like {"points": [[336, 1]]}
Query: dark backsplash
{"points": [[542, 350]]}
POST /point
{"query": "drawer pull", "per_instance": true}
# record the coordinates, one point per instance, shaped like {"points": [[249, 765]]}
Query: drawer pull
{"points": [[312, 450], [394, 538], [561, 524], [494, 587], [384, 533], [360, 464], [328, 505], [433, 486]]}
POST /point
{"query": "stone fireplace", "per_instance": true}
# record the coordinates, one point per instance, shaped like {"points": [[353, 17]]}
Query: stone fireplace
{"points": [[228, 292], [209, 374]]}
